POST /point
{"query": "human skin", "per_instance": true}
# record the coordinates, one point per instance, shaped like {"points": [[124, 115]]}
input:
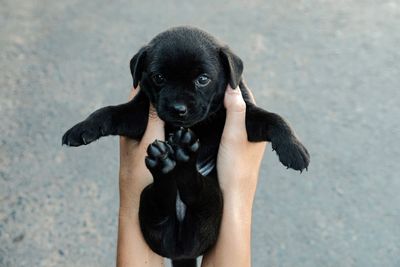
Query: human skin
{"points": [[238, 186]]}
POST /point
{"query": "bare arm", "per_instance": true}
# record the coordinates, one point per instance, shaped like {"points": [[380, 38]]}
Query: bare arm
{"points": [[238, 185], [132, 249]]}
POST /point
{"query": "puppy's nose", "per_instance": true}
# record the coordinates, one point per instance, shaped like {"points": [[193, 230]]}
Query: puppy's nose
{"points": [[180, 109]]}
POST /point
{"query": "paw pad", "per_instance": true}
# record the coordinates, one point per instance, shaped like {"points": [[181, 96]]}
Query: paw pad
{"points": [[159, 157], [184, 143], [291, 153]]}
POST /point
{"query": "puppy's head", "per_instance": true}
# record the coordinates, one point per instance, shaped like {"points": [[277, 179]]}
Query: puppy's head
{"points": [[184, 72]]}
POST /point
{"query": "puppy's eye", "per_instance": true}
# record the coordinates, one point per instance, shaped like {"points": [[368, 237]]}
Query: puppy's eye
{"points": [[202, 81], [158, 79]]}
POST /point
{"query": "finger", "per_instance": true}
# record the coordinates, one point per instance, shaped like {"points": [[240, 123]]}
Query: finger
{"points": [[235, 126], [252, 99], [249, 92], [128, 144], [133, 93]]}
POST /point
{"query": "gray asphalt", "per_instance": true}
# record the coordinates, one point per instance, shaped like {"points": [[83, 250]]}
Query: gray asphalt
{"points": [[330, 67]]}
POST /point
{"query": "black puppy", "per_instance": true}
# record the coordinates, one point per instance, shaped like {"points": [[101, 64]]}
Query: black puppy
{"points": [[183, 72]]}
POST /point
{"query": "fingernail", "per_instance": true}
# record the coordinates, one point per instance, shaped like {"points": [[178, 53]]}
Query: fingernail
{"points": [[231, 90]]}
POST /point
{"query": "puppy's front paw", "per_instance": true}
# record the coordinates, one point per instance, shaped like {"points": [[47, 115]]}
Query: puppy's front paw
{"points": [[159, 158], [291, 152], [185, 144], [84, 133]]}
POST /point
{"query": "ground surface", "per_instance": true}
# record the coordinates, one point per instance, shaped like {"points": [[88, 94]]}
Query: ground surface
{"points": [[330, 67]]}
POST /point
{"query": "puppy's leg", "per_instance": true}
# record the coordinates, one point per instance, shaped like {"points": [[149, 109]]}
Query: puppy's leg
{"points": [[129, 119], [189, 181], [157, 201], [200, 197], [262, 125]]}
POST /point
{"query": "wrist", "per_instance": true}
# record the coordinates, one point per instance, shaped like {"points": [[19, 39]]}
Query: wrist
{"points": [[128, 212], [239, 202], [238, 207], [240, 189], [130, 189], [129, 197]]}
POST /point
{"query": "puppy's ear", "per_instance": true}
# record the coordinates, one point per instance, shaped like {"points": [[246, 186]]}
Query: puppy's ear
{"points": [[233, 66], [137, 65]]}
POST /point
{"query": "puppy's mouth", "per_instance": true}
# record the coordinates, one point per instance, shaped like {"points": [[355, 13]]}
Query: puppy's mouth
{"points": [[186, 122], [190, 118], [180, 123]]}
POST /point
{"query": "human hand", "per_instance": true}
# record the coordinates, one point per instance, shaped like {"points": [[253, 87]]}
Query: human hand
{"points": [[238, 160]]}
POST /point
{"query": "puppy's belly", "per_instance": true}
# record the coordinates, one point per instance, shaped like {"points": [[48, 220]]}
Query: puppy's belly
{"points": [[180, 207]]}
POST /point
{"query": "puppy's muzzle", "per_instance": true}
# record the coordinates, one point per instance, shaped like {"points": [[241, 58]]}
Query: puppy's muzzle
{"points": [[179, 110]]}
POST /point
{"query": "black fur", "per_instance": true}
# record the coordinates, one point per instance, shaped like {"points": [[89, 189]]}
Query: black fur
{"points": [[180, 212]]}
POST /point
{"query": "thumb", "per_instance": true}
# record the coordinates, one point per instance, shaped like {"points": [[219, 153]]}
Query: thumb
{"points": [[154, 129], [155, 126], [235, 126]]}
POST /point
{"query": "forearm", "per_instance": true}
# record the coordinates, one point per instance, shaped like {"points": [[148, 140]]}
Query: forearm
{"points": [[132, 250], [233, 247]]}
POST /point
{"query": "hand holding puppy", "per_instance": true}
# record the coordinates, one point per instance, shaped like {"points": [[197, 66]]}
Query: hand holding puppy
{"points": [[132, 250], [238, 164]]}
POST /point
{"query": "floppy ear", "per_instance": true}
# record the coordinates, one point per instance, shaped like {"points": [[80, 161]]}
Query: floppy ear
{"points": [[233, 66], [137, 65]]}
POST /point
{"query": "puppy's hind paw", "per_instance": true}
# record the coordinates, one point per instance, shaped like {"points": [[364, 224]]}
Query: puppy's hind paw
{"points": [[159, 158], [292, 153], [184, 143]]}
